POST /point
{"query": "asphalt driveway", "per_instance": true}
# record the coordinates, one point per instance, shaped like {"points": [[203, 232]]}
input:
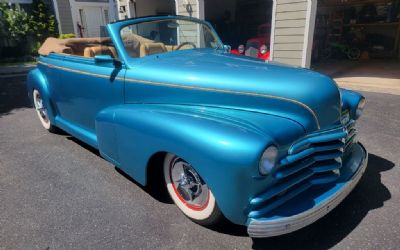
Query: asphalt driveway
{"points": [[58, 193]]}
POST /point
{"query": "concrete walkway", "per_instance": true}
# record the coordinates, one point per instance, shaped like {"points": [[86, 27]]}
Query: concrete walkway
{"points": [[381, 76]]}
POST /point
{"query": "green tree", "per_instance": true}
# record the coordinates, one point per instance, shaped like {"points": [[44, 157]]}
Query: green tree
{"points": [[15, 23], [43, 25], [27, 31]]}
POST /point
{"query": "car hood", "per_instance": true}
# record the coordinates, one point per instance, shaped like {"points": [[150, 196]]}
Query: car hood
{"points": [[214, 78]]}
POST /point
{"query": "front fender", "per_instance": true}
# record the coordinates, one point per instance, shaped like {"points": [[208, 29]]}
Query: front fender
{"points": [[350, 101], [223, 145]]}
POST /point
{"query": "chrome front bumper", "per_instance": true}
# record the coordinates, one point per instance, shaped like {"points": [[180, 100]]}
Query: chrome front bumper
{"points": [[259, 228]]}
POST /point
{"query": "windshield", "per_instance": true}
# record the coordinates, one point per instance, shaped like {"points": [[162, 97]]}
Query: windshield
{"points": [[168, 35]]}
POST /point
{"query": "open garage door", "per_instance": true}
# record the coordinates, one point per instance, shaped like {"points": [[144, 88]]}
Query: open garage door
{"points": [[357, 30], [358, 43], [241, 22]]}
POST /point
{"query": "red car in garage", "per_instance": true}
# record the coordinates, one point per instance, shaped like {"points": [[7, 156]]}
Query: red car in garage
{"points": [[257, 46]]}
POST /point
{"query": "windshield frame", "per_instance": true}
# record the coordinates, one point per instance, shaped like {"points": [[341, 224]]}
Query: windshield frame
{"points": [[116, 27]]}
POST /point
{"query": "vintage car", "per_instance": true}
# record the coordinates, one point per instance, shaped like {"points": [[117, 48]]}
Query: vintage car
{"points": [[257, 46], [267, 146]]}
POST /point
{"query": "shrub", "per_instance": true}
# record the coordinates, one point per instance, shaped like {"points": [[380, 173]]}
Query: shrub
{"points": [[15, 23], [42, 24], [27, 31], [65, 36]]}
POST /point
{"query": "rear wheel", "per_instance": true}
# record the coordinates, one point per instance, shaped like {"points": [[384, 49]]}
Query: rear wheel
{"points": [[189, 192], [41, 111]]}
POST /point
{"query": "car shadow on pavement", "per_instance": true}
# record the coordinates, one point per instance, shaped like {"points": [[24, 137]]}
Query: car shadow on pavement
{"points": [[13, 95], [369, 194], [154, 191], [79, 142]]}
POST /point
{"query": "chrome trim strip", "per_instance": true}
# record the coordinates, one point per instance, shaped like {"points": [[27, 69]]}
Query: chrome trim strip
{"points": [[78, 71], [268, 228], [192, 87]]}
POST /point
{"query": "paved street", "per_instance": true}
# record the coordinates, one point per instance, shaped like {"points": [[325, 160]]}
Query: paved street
{"points": [[58, 193]]}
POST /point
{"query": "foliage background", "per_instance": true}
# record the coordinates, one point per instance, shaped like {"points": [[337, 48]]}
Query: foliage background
{"points": [[26, 31]]}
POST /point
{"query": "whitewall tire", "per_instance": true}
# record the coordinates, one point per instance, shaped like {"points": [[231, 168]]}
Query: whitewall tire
{"points": [[189, 192], [41, 111]]}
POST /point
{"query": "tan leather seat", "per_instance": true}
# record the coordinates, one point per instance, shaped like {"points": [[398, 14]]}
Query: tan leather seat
{"points": [[72, 46], [100, 50], [147, 49]]}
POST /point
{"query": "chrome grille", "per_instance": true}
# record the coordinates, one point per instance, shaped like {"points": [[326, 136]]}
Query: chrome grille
{"points": [[314, 160]]}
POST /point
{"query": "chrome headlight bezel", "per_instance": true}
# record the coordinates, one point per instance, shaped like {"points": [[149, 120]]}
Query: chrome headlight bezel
{"points": [[241, 48], [263, 49], [268, 160]]}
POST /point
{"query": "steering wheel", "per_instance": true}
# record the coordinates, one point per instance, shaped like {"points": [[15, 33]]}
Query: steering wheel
{"points": [[186, 43]]}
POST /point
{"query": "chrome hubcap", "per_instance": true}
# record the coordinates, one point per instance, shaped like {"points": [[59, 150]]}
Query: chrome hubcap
{"points": [[188, 183], [40, 107]]}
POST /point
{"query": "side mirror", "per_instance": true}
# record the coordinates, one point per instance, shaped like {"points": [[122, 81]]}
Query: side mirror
{"points": [[227, 48], [103, 59]]}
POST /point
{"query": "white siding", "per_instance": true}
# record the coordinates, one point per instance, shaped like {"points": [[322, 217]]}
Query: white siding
{"points": [[65, 17], [197, 8], [290, 24]]}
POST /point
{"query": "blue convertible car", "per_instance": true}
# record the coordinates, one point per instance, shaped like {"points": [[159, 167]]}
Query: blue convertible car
{"points": [[264, 145]]}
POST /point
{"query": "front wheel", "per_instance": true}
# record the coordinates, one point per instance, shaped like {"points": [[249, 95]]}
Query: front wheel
{"points": [[41, 111], [189, 192]]}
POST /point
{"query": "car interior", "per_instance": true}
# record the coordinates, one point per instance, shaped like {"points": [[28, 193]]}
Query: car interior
{"points": [[135, 45]]}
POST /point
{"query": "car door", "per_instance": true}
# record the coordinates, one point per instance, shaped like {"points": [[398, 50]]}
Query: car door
{"points": [[86, 87]]}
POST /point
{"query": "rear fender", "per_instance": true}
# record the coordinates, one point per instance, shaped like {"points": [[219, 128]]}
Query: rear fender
{"points": [[37, 80]]}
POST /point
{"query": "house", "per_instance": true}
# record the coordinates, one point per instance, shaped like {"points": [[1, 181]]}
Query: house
{"points": [[292, 25], [302, 31], [83, 17]]}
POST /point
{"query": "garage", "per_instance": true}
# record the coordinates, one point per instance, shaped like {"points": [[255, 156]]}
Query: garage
{"points": [[241, 22], [323, 34], [356, 30], [244, 25], [357, 43]]}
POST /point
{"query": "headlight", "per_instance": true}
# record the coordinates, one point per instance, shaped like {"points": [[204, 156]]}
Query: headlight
{"points": [[263, 49], [268, 160], [241, 49], [360, 108]]}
